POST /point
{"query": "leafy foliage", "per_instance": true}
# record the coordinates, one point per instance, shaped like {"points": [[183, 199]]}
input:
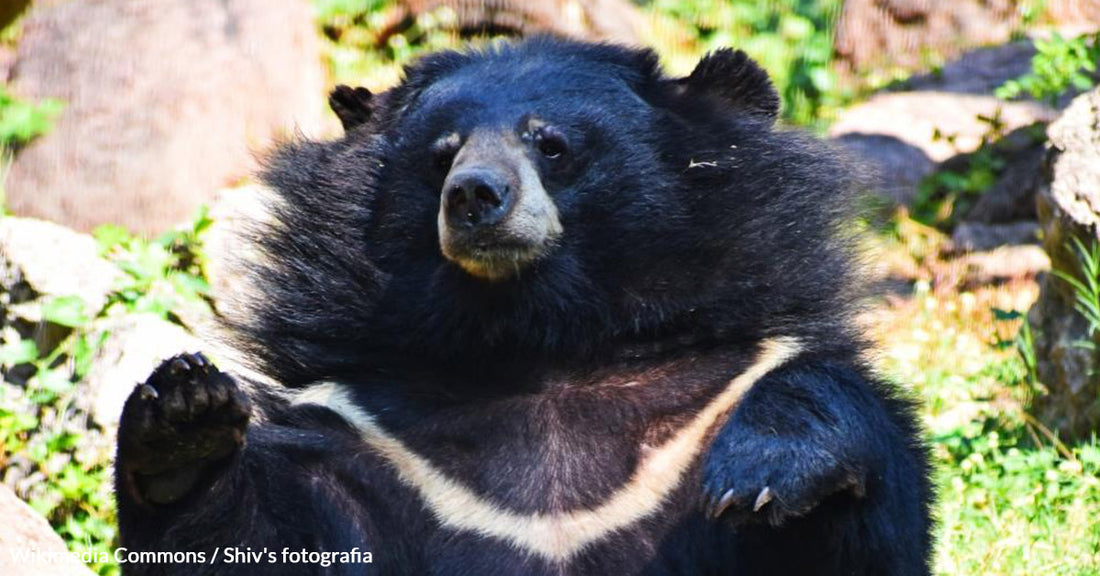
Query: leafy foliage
{"points": [[949, 192], [1058, 65], [50, 449], [792, 40], [22, 121]]}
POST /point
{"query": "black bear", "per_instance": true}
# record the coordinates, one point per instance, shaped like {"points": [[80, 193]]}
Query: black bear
{"points": [[542, 310]]}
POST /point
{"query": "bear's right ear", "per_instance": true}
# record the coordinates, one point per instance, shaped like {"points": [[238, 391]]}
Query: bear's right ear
{"points": [[731, 76], [353, 106]]}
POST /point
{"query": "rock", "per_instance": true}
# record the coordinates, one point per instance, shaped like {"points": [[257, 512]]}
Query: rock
{"points": [[165, 101], [7, 62], [593, 20], [39, 261], [135, 345], [1069, 207], [43, 258], [979, 237], [954, 117], [938, 126], [896, 168], [912, 34], [25, 532], [1003, 264], [902, 33], [979, 71], [1012, 195]]}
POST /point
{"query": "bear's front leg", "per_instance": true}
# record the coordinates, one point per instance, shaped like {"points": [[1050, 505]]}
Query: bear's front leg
{"points": [[796, 439], [177, 428]]}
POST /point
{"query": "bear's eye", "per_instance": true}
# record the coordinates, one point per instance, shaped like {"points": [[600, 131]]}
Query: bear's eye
{"points": [[551, 143], [443, 152]]}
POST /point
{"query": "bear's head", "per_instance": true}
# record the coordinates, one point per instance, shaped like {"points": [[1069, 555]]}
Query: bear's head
{"points": [[547, 199]]}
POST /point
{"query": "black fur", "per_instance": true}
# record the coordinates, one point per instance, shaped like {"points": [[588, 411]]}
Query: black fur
{"points": [[693, 230]]}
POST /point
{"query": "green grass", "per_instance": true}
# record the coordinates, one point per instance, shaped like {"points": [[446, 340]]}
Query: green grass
{"points": [[1012, 498]]}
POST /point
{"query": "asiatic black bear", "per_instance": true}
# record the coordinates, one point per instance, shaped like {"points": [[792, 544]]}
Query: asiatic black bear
{"points": [[543, 310]]}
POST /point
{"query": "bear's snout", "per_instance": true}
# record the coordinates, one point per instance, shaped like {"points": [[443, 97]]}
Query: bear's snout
{"points": [[495, 217], [476, 197]]}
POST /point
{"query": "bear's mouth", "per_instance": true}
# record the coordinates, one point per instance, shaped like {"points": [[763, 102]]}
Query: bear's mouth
{"points": [[494, 261]]}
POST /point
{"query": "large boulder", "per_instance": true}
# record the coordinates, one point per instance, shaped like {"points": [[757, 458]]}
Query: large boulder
{"points": [[901, 33], [913, 34], [1069, 207], [165, 103], [29, 546]]}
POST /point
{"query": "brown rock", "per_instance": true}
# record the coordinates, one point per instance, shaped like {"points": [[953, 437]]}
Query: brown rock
{"points": [[23, 531], [1069, 207], [165, 101], [593, 20], [901, 33], [912, 34], [1002, 265]]}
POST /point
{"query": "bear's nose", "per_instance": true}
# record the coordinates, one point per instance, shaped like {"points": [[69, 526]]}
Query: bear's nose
{"points": [[476, 197]]}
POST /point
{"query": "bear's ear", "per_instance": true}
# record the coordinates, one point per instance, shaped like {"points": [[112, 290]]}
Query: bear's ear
{"points": [[734, 78], [353, 106]]}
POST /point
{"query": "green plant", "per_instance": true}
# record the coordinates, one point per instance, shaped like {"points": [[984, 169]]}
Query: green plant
{"points": [[161, 275], [1023, 343], [944, 195], [22, 121], [46, 434], [792, 40], [1086, 289], [1058, 65]]}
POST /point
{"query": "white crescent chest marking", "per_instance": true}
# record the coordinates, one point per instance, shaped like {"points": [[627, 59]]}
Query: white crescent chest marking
{"points": [[554, 536]]}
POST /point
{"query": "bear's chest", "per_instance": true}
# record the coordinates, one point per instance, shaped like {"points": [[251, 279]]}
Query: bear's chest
{"points": [[556, 474]]}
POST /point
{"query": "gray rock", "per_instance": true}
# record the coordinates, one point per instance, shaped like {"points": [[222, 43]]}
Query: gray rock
{"points": [[901, 136], [1069, 207], [38, 261], [24, 531], [940, 124], [979, 71], [1012, 195], [38, 257], [895, 167], [979, 237], [165, 103]]}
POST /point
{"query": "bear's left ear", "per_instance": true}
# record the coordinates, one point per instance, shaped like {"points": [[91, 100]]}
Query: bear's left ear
{"points": [[731, 76], [353, 106]]}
